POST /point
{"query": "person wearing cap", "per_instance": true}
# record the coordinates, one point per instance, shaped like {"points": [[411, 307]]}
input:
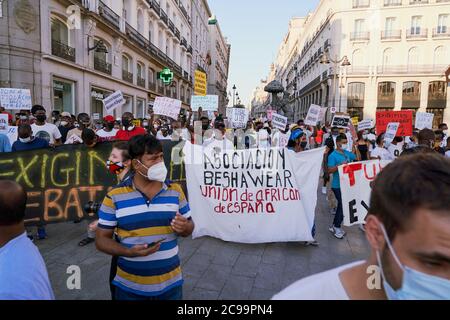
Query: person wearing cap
{"points": [[108, 132], [65, 125], [129, 130]]}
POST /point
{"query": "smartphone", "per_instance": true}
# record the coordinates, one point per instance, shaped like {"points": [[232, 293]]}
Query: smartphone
{"points": [[157, 242]]}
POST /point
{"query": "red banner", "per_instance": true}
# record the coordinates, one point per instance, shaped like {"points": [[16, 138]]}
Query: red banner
{"points": [[405, 118]]}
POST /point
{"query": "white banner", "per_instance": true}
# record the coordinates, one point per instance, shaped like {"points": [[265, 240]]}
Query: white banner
{"points": [[279, 121], [167, 107], [15, 99], [355, 179], [365, 125], [313, 115], [238, 118], [253, 196], [424, 120], [4, 123], [207, 103], [114, 101]]}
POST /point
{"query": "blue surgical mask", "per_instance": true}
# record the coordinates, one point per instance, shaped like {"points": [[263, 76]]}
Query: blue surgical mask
{"points": [[415, 285]]}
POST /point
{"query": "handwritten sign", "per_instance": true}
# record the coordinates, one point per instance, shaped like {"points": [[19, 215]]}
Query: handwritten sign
{"points": [[279, 121], [391, 131], [365, 125], [239, 118], [114, 101], [340, 121], [4, 123], [402, 117], [200, 83], [424, 120], [12, 134], [313, 115], [15, 99], [207, 103], [167, 107]]}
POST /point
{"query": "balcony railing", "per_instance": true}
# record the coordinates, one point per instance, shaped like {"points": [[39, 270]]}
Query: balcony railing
{"points": [[102, 66], [441, 32], [171, 26], [415, 69], [355, 36], [177, 33], [358, 70], [141, 82], [164, 17], [109, 15], [418, 1], [391, 35], [189, 50], [186, 75], [127, 76], [417, 33], [184, 11], [390, 3], [361, 4], [136, 36], [184, 42], [62, 50], [155, 6], [152, 86]]}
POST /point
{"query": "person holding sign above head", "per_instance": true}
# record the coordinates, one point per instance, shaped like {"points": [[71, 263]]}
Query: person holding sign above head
{"points": [[148, 213], [44, 130], [337, 158], [408, 230], [128, 130]]}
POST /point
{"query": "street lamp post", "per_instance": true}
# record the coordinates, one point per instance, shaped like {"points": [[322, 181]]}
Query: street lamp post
{"points": [[234, 95], [341, 86], [325, 59]]}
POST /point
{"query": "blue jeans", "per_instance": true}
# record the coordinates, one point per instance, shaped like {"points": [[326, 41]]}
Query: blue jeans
{"points": [[339, 217], [173, 294]]}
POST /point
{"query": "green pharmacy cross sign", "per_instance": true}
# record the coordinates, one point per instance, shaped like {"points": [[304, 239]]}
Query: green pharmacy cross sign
{"points": [[166, 75]]}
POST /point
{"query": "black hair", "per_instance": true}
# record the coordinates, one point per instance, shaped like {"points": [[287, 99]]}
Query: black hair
{"points": [[88, 136], [380, 138], [341, 137], [396, 195], [442, 125], [82, 115], [36, 108], [22, 128], [140, 145], [204, 118], [13, 202]]}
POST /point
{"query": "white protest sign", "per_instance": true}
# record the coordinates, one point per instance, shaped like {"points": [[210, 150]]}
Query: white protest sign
{"points": [[313, 115], [365, 125], [391, 131], [238, 118], [323, 112], [114, 101], [424, 120], [279, 121], [355, 179], [15, 99], [207, 103], [233, 199], [96, 116], [4, 123], [340, 121], [12, 134], [167, 107]]}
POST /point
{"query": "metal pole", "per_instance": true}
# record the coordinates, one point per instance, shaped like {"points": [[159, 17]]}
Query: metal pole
{"points": [[234, 97], [333, 95]]}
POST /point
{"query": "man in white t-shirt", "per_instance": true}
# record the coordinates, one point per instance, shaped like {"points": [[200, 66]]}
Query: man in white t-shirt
{"points": [[219, 141], [409, 235], [380, 153], [44, 130], [23, 275], [108, 133]]}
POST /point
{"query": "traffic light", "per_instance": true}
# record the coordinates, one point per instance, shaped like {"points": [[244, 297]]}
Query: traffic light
{"points": [[166, 75]]}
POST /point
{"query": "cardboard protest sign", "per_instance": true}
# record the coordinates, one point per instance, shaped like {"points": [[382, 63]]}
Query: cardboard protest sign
{"points": [[12, 134], [15, 99], [253, 196], [355, 121], [61, 181], [114, 101], [207, 103], [313, 115], [279, 122], [340, 121], [391, 132], [424, 120], [365, 125], [4, 123], [167, 107], [238, 118], [355, 179], [402, 117]]}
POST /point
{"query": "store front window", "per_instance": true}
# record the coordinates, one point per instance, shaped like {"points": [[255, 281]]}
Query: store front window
{"points": [[97, 96], [63, 96], [140, 109]]}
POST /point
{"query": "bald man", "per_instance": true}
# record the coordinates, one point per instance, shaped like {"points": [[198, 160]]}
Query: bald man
{"points": [[128, 130], [23, 275]]}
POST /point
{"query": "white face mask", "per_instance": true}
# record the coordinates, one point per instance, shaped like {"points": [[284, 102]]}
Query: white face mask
{"points": [[157, 172], [344, 146], [445, 132], [365, 136], [25, 140], [64, 123]]}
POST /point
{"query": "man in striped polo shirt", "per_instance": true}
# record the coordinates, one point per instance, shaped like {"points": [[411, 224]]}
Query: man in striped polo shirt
{"points": [[148, 215]]}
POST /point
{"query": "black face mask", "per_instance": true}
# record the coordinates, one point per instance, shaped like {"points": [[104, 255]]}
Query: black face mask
{"points": [[205, 126], [303, 144], [41, 118], [126, 123], [110, 126]]}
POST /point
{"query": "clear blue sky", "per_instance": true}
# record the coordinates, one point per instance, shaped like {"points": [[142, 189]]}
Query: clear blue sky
{"points": [[255, 29]]}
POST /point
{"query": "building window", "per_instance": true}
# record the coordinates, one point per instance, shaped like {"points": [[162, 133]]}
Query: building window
{"points": [[355, 100], [438, 116], [386, 95], [140, 22], [411, 95], [437, 95], [97, 96], [415, 25], [127, 75], [101, 59], [63, 96], [440, 58], [140, 74], [413, 59], [442, 24], [140, 109], [61, 40]]}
